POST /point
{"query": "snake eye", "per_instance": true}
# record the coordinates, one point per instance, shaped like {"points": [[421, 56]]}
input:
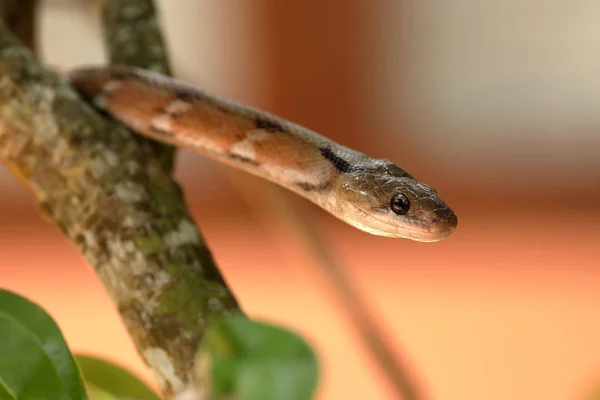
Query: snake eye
{"points": [[400, 204]]}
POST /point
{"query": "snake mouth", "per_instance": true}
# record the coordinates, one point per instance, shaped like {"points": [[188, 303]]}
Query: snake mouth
{"points": [[436, 227], [442, 225]]}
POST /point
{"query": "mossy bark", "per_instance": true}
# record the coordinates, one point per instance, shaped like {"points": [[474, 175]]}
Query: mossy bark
{"points": [[132, 36], [111, 193]]}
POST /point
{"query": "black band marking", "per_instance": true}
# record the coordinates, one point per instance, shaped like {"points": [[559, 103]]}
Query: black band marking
{"points": [[339, 163], [185, 95], [311, 187], [267, 125], [243, 159]]}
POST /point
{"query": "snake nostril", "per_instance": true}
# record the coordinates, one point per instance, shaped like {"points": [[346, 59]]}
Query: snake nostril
{"points": [[451, 220], [445, 220]]}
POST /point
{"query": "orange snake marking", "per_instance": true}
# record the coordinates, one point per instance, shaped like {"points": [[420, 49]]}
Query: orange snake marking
{"points": [[374, 195]]}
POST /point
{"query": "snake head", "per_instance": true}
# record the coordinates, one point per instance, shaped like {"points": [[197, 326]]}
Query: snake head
{"points": [[385, 200]]}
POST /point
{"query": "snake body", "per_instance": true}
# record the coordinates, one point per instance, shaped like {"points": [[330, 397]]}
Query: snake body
{"points": [[374, 195]]}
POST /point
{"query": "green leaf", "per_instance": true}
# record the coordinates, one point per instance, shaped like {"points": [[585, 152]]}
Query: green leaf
{"points": [[35, 361], [98, 394], [107, 380], [250, 360], [4, 393], [294, 379]]}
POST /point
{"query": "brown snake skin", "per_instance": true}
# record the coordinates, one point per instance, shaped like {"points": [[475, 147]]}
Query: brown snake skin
{"points": [[373, 195]]}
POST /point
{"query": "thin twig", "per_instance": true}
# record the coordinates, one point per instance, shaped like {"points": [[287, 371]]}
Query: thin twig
{"points": [[272, 198], [349, 296]]}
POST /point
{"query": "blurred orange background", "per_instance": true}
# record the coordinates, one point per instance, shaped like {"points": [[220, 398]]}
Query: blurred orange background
{"points": [[496, 104]]}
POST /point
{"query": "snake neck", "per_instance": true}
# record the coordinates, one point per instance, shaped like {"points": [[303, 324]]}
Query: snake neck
{"points": [[240, 136]]}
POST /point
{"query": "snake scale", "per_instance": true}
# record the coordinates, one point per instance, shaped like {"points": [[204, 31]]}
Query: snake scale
{"points": [[374, 195]]}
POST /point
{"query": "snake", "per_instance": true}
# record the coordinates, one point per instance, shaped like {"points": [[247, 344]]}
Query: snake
{"points": [[373, 195]]}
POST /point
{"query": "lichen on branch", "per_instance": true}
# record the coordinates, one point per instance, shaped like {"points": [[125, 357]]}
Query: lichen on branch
{"points": [[112, 195]]}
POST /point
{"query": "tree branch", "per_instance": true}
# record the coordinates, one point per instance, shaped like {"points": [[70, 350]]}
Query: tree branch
{"points": [[20, 17], [110, 193], [132, 37]]}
